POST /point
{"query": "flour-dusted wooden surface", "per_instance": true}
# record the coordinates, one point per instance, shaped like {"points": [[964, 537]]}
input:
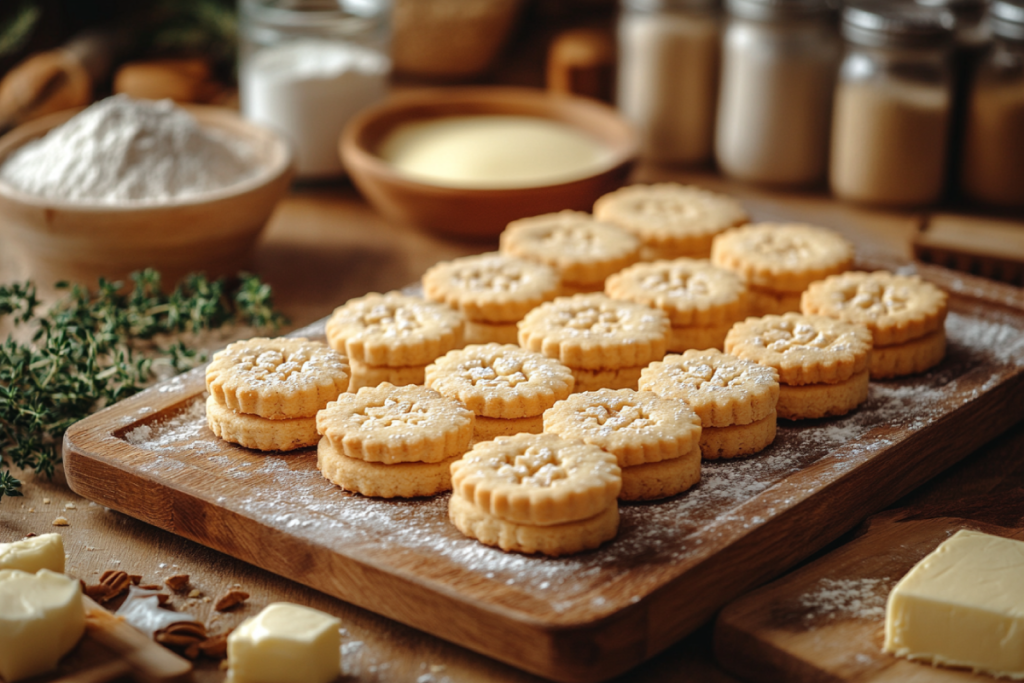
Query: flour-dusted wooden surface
{"points": [[825, 622], [591, 616]]}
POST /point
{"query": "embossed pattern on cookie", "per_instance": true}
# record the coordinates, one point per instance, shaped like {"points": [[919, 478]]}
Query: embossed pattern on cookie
{"points": [[500, 381], [593, 331], [636, 427], [277, 378], [671, 219], [805, 349], [896, 308], [782, 257], [389, 424], [583, 251], [538, 479], [394, 330], [722, 390], [690, 291], [492, 287]]}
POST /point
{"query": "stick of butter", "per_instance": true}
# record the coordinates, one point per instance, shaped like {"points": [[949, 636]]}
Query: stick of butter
{"points": [[285, 643], [41, 619], [963, 606], [32, 554]]}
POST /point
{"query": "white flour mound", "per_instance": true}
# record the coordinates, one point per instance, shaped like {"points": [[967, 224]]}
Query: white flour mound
{"points": [[121, 151]]}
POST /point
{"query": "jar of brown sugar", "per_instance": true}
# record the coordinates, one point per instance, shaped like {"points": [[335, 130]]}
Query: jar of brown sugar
{"points": [[892, 105], [993, 159]]}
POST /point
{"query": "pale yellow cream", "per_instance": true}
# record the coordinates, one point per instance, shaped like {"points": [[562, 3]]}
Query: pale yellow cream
{"points": [[493, 152]]}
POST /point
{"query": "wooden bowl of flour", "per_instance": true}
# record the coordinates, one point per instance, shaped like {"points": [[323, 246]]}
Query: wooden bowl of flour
{"points": [[479, 212], [212, 232]]}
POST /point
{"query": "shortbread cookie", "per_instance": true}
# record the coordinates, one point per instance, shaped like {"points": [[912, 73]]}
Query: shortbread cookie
{"points": [[379, 480], [553, 540], [652, 481], [490, 428], [764, 302], [719, 443], [491, 333], [389, 424], [493, 288], [394, 330], [908, 358], [500, 381], [896, 308], [371, 376], [721, 389], [260, 433], [582, 250], [805, 349], [277, 378], [692, 293], [671, 220], [782, 257], [686, 338], [810, 401], [595, 332], [538, 479], [636, 427], [619, 378]]}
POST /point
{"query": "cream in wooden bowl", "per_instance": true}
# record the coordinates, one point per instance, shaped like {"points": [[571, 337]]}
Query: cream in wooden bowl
{"points": [[466, 161], [128, 184]]}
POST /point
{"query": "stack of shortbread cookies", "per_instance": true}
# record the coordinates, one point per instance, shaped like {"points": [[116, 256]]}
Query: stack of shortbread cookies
{"points": [[507, 387], [265, 393], [536, 493], [393, 337], [655, 440], [389, 441]]}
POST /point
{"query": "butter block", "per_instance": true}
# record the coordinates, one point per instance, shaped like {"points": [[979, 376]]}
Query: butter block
{"points": [[41, 619], [962, 606], [285, 643], [32, 554]]}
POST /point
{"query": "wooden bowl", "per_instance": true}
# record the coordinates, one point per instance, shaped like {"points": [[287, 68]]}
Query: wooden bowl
{"points": [[480, 213], [211, 233]]}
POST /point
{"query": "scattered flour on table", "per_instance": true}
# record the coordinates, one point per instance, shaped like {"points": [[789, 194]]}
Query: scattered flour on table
{"points": [[124, 151], [847, 599], [287, 491]]}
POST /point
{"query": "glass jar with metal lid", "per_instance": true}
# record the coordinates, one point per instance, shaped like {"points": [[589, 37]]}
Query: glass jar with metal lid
{"points": [[306, 67], [779, 60], [892, 105], [993, 158], [668, 76]]}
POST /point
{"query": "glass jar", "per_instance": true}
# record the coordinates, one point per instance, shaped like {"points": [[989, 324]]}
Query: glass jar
{"points": [[779, 60], [306, 67], [993, 159], [892, 105], [668, 76], [972, 35]]}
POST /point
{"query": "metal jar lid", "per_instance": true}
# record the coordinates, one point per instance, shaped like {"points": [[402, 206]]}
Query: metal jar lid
{"points": [[778, 9], [1007, 17], [884, 23]]}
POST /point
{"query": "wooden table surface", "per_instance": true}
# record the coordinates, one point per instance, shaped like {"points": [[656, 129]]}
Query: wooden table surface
{"points": [[323, 246]]}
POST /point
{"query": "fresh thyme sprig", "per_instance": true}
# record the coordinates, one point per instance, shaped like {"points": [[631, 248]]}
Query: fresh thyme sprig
{"points": [[93, 349]]}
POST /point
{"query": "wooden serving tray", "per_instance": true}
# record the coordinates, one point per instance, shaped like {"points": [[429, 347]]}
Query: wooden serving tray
{"points": [[824, 623], [591, 616]]}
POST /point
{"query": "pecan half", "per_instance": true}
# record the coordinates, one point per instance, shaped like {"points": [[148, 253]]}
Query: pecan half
{"points": [[181, 635], [113, 583], [231, 599], [215, 647], [178, 582]]}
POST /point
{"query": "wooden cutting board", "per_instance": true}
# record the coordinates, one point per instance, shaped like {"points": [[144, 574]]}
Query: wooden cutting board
{"points": [[583, 618], [825, 621]]}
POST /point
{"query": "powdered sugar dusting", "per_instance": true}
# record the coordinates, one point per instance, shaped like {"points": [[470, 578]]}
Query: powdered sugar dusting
{"points": [[288, 494], [834, 599]]}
